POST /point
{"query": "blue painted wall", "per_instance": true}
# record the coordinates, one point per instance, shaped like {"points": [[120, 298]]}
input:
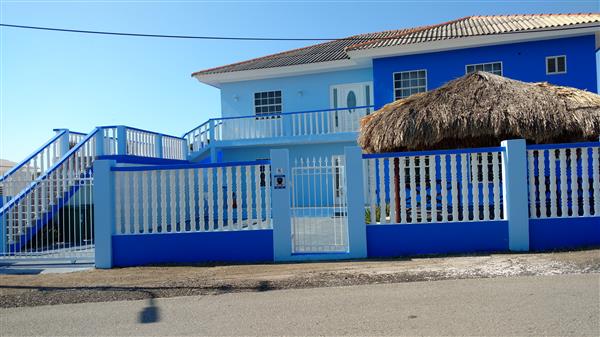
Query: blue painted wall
{"points": [[436, 238], [314, 87], [296, 151], [565, 233], [235, 246], [523, 61]]}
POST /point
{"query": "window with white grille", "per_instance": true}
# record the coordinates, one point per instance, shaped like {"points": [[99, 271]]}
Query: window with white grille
{"points": [[491, 67], [411, 82], [267, 102]]}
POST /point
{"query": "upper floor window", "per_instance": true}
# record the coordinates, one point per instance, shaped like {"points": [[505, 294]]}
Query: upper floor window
{"points": [[411, 82], [267, 102], [556, 64], [491, 67]]}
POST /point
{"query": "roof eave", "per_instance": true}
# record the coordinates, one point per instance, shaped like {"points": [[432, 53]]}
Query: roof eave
{"points": [[472, 41], [217, 79]]}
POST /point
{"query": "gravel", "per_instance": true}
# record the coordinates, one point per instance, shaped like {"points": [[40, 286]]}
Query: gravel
{"points": [[169, 281]]}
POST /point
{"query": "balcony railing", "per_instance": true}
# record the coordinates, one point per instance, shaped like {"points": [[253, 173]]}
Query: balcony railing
{"points": [[287, 124]]}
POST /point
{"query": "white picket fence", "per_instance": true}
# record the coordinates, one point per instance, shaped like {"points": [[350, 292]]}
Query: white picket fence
{"points": [[564, 180], [192, 199], [442, 186]]}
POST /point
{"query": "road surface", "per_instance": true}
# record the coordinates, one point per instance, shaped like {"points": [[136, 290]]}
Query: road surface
{"points": [[537, 305]]}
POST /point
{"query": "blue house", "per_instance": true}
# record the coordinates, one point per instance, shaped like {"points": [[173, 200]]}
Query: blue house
{"points": [[335, 83], [279, 177]]}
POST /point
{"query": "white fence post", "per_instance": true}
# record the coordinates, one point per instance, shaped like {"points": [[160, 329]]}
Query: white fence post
{"points": [[158, 148], [64, 144], [104, 212], [281, 213], [516, 206], [99, 142], [121, 140], [357, 229]]}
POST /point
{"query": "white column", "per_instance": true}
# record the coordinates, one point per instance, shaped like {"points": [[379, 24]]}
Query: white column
{"points": [[514, 180]]}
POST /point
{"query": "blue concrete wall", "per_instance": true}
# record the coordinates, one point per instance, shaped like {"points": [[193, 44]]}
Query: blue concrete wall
{"points": [[314, 87], [564, 233], [436, 238], [523, 61], [235, 246]]}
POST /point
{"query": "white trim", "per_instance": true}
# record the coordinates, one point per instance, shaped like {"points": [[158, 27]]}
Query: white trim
{"points": [[471, 42], [483, 64], [556, 65], [407, 71], [216, 80], [363, 58]]}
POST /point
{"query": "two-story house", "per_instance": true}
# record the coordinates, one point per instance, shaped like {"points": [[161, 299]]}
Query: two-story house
{"points": [[310, 100]]}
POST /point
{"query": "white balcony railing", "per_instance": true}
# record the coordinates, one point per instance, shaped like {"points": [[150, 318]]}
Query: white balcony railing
{"points": [[289, 124]]}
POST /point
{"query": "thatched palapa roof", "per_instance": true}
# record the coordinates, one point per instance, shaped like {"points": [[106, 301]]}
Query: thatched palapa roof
{"points": [[482, 109]]}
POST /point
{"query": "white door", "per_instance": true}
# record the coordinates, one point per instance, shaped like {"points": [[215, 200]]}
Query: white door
{"points": [[346, 97]]}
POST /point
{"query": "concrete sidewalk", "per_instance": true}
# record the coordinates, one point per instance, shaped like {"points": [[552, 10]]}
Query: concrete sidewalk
{"points": [[540, 305]]}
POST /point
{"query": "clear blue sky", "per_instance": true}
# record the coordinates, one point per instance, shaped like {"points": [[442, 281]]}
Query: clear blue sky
{"points": [[50, 80]]}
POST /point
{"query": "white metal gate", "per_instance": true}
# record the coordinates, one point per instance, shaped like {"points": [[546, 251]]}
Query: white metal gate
{"points": [[52, 220], [319, 205]]}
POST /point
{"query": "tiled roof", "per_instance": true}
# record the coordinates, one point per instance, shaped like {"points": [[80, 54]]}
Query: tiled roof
{"points": [[463, 27], [481, 25]]}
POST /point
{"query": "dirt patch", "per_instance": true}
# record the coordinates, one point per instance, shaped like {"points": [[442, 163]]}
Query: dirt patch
{"points": [[169, 281]]}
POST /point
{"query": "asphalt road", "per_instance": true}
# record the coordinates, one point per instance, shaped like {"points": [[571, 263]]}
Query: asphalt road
{"points": [[538, 305]]}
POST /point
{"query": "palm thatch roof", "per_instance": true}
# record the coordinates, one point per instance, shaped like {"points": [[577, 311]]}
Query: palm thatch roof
{"points": [[482, 109]]}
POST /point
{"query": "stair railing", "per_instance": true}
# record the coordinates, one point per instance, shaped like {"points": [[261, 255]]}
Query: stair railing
{"points": [[34, 206], [23, 174]]}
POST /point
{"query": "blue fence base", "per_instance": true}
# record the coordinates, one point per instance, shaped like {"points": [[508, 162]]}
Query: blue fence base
{"points": [[564, 233], [234, 246], [437, 238]]}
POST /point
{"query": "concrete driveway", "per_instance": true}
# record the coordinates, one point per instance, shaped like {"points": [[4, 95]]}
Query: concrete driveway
{"points": [[534, 305]]}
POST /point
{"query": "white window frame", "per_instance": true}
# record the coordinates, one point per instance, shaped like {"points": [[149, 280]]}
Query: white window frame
{"points": [[483, 64], [407, 71], [556, 64], [266, 113]]}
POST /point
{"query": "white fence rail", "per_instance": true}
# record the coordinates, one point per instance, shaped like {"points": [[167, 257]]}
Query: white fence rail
{"points": [[192, 199], [142, 143], [173, 148], [307, 123], [564, 180], [443, 186]]}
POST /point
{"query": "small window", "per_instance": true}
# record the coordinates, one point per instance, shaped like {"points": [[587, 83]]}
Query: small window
{"points": [[411, 82], [556, 65], [267, 102], [492, 67]]}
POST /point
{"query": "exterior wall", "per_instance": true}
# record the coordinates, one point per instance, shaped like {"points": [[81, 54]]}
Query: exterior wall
{"points": [[564, 233], [296, 151], [234, 246], [437, 238], [522, 61], [314, 90]]}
